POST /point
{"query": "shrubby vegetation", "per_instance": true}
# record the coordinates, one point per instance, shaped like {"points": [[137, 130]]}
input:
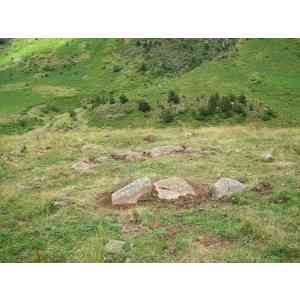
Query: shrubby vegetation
{"points": [[171, 56]]}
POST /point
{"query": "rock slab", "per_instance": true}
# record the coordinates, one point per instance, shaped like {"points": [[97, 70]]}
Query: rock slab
{"points": [[226, 187], [131, 193], [173, 188]]}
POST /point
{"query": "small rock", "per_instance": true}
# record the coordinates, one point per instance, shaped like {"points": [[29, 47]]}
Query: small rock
{"points": [[131, 193], [114, 247], [173, 188], [226, 187], [164, 150], [268, 157]]}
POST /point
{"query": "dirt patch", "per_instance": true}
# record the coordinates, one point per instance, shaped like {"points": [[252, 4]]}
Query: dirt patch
{"points": [[263, 188], [209, 242], [103, 201]]}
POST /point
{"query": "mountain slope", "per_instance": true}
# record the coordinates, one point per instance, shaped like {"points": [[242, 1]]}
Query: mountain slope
{"points": [[64, 71]]}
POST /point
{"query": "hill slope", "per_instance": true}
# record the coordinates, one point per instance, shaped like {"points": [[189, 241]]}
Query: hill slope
{"points": [[65, 71]]}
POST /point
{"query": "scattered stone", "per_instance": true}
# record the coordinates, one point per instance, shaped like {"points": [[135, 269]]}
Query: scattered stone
{"points": [[114, 247], [129, 156], [226, 187], [263, 188], [84, 165], [164, 150], [133, 192], [173, 188], [268, 157]]}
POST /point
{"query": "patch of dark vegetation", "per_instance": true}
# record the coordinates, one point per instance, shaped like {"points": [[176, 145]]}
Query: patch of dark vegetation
{"points": [[20, 126], [4, 41], [144, 106], [50, 108], [123, 99], [279, 252], [173, 97], [225, 107], [162, 57]]}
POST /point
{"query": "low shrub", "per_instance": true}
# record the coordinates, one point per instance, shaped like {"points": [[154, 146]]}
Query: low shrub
{"points": [[144, 106], [123, 99], [173, 97], [50, 108], [167, 116]]}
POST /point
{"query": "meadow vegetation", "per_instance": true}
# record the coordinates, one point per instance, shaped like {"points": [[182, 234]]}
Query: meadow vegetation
{"points": [[66, 101]]}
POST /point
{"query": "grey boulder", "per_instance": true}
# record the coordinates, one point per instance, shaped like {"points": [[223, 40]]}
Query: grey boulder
{"points": [[226, 187]]}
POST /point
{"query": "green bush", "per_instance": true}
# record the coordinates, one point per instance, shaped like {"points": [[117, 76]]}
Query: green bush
{"points": [[225, 104], [117, 68], [167, 116], [144, 106], [267, 114], [50, 108], [173, 97], [242, 99], [123, 99], [213, 103]]}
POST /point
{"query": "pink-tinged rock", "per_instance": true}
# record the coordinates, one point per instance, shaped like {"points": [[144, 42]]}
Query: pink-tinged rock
{"points": [[132, 193], [173, 188]]}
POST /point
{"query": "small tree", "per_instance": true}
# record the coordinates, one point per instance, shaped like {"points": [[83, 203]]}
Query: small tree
{"points": [[144, 106], [242, 99], [123, 99], [226, 104], [167, 116], [173, 97], [213, 103]]}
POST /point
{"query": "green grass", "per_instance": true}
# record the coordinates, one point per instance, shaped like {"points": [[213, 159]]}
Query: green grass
{"points": [[264, 69], [252, 227]]}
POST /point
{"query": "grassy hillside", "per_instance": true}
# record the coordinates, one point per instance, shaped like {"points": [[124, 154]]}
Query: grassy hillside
{"points": [[66, 71]]}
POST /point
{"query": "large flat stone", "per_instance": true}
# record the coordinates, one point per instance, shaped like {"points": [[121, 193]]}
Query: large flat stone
{"points": [[173, 188], [131, 193]]}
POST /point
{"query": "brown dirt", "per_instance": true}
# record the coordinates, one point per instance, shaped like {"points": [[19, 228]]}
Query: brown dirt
{"points": [[208, 241], [263, 188]]}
